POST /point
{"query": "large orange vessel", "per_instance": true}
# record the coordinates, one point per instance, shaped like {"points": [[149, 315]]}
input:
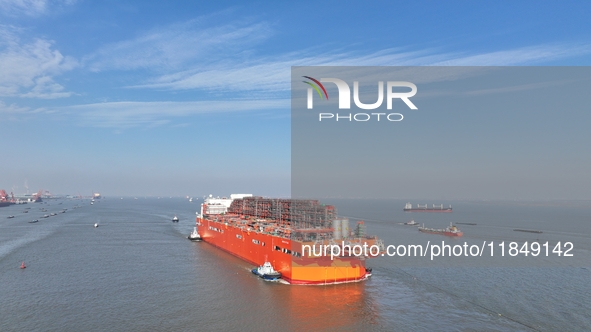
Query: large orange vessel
{"points": [[302, 239]]}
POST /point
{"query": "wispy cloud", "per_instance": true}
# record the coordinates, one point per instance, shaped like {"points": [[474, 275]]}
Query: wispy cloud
{"points": [[30, 7], [224, 60], [273, 74], [531, 55], [150, 114], [28, 68], [179, 45]]}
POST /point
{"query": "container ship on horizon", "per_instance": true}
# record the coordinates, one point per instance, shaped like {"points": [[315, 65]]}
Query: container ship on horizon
{"points": [[260, 230], [424, 208], [451, 230]]}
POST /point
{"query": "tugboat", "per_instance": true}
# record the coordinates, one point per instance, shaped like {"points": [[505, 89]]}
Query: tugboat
{"points": [[194, 236], [267, 272], [412, 223], [175, 219]]}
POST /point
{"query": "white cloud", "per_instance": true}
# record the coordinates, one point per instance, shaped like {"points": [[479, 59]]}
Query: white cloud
{"points": [[27, 69], [12, 108]]}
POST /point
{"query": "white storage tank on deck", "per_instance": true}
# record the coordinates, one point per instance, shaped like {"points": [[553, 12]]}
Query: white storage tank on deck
{"points": [[336, 227], [345, 228]]}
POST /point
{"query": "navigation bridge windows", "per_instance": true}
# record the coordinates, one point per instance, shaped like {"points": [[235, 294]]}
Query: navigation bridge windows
{"points": [[283, 250]]}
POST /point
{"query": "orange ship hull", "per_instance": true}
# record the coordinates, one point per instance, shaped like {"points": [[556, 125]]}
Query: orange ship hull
{"points": [[284, 254]]}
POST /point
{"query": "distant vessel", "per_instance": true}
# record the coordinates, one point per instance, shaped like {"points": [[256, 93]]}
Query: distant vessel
{"points": [[451, 230], [175, 218], [33, 221], [266, 272], [412, 223], [10, 217], [424, 208], [96, 225], [191, 199], [23, 266], [194, 236], [5, 199], [527, 231]]}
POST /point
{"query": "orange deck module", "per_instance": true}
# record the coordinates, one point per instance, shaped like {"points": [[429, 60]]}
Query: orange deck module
{"points": [[259, 229]]}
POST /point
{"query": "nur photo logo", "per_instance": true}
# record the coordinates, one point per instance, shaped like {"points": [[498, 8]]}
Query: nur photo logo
{"points": [[344, 98]]}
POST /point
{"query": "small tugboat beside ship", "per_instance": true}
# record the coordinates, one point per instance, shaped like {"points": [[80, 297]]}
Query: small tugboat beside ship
{"points": [[194, 236], [267, 272]]}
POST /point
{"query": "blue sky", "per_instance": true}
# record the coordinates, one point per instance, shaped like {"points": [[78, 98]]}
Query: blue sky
{"points": [[148, 98]]}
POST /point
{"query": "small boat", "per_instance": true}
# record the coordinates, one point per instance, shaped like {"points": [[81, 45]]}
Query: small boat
{"points": [[23, 266], [194, 236], [175, 218], [267, 272], [26, 211], [528, 231], [33, 221], [46, 216], [10, 217], [96, 225], [412, 223]]}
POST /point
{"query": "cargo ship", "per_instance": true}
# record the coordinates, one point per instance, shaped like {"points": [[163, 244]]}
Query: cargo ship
{"points": [[451, 230], [424, 208], [5, 200], [296, 236]]}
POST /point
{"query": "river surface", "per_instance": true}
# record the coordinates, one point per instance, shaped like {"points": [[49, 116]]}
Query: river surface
{"points": [[138, 272]]}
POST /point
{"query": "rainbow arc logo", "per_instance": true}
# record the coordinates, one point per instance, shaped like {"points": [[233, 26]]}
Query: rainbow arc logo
{"points": [[316, 86]]}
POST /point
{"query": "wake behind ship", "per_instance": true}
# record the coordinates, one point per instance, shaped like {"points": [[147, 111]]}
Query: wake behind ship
{"points": [[259, 229]]}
